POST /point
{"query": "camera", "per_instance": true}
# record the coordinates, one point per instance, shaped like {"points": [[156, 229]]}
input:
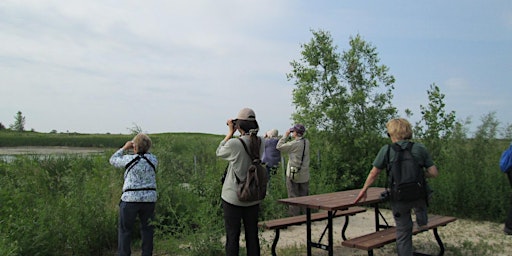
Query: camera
{"points": [[384, 196]]}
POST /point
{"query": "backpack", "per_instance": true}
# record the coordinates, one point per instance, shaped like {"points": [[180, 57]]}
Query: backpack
{"points": [[506, 160], [254, 187], [406, 177]]}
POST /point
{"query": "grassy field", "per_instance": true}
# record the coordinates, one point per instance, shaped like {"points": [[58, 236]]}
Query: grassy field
{"points": [[67, 205]]}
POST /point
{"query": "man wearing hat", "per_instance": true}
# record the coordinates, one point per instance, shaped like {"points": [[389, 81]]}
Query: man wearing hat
{"points": [[297, 169]]}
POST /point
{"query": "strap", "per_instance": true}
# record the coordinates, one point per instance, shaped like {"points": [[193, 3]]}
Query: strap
{"points": [[303, 151], [250, 155], [135, 160], [138, 189], [246, 149], [132, 163]]}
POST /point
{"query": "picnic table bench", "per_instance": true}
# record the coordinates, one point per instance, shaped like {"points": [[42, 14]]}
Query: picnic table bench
{"points": [[278, 224], [382, 237]]}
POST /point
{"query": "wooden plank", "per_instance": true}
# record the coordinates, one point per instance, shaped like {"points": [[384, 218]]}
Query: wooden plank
{"points": [[301, 219], [334, 200], [386, 236]]}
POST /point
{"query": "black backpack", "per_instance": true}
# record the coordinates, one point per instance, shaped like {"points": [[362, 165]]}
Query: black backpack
{"points": [[406, 178], [254, 187]]}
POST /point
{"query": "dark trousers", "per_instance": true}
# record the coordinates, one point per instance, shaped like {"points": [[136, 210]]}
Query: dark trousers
{"points": [[233, 217], [508, 221], [404, 223], [128, 212]]}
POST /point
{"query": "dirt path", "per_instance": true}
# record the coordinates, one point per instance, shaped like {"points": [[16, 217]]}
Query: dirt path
{"points": [[473, 238]]}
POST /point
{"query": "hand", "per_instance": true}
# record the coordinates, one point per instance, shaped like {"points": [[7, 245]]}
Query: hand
{"points": [[128, 145], [230, 125], [362, 195]]}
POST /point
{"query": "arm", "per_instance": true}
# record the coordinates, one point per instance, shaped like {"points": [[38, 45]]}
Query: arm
{"points": [[117, 158], [431, 172], [231, 130], [282, 145], [372, 176]]}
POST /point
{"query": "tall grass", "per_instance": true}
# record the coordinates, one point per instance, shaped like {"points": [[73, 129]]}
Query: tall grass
{"points": [[67, 205]]}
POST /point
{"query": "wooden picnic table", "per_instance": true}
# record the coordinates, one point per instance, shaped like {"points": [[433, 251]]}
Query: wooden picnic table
{"points": [[331, 202]]}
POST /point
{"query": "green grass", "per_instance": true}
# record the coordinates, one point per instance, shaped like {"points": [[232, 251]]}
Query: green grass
{"points": [[67, 205]]}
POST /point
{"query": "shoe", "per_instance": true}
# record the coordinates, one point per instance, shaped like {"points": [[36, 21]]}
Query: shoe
{"points": [[508, 231]]}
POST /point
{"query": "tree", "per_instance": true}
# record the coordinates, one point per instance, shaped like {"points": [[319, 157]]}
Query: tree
{"points": [[436, 126], [346, 97], [19, 122], [136, 129]]}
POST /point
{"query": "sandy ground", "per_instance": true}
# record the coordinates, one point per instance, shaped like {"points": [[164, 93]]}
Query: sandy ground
{"points": [[474, 238]]}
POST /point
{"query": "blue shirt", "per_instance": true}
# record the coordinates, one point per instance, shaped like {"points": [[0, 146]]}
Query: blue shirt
{"points": [[140, 176]]}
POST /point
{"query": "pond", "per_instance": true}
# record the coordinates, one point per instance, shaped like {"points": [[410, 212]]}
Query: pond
{"points": [[9, 153]]}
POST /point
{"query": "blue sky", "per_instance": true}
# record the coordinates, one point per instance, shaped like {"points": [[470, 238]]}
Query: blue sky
{"points": [[187, 66]]}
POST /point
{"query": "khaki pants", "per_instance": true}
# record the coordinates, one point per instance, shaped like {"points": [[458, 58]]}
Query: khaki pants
{"points": [[296, 190]]}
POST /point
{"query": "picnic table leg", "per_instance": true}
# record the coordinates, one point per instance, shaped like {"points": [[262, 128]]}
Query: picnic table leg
{"points": [[308, 230], [377, 225], [345, 226], [329, 224], [439, 242], [274, 244]]}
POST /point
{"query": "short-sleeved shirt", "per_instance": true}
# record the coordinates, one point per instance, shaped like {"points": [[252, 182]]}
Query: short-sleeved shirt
{"points": [[418, 151]]}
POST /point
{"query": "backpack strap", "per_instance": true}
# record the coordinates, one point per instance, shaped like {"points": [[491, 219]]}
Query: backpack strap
{"points": [[303, 151], [131, 164], [254, 159]]}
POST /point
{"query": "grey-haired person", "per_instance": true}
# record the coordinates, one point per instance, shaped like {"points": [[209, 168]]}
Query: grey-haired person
{"points": [[271, 156], [139, 193], [236, 211], [297, 168]]}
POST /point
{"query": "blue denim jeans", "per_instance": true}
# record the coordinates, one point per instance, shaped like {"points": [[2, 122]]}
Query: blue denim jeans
{"points": [[128, 212]]}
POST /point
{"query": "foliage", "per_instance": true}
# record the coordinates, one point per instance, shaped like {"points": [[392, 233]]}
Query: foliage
{"points": [[19, 122], [54, 205], [435, 125], [346, 98]]}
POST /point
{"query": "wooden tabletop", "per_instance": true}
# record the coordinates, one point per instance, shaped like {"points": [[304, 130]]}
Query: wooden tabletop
{"points": [[335, 200]]}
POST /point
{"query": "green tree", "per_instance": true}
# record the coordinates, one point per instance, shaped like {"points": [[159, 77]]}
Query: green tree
{"points": [[436, 125], [19, 122], [346, 98]]}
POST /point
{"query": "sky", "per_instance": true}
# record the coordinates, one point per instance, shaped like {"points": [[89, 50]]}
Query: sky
{"points": [[103, 66]]}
